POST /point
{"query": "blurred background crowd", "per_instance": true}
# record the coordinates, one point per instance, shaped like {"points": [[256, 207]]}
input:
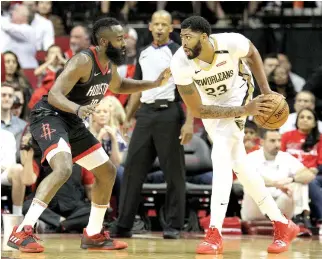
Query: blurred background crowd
{"points": [[39, 37]]}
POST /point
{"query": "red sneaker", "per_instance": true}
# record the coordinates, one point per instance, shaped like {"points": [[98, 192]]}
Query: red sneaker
{"points": [[25, 240], [283, 236], [212, 244], [101, 241]]}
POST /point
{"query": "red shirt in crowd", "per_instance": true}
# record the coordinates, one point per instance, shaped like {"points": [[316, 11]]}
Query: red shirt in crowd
{"points": [[292, 142], [46, 85]]}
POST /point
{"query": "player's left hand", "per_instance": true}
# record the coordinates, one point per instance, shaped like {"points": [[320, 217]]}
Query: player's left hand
{"points": [[163, 77], [186, 133]]}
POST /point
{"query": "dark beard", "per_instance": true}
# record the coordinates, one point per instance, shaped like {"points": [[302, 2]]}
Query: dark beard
{"points": [[116, 55], [195, 51]]}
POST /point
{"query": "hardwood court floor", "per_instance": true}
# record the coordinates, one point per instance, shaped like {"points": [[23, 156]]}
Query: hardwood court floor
{"points": [[154, 246]]}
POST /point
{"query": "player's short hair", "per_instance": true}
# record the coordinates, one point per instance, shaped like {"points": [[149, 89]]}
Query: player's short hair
{"points": [[197, 24], [101, 24]]}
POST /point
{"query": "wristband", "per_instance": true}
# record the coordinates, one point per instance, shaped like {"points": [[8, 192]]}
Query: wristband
{"points": [[78, 109]]}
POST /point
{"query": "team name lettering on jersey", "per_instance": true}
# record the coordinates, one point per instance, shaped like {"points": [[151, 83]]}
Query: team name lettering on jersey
{"points": [[215, 78], [99, 89]]}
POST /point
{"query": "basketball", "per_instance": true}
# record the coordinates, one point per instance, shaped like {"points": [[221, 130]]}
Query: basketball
{"points": [[276, 118]]}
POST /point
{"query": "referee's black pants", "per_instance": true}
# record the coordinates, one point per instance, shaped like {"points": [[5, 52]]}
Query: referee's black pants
{"points": [[156, 133]]}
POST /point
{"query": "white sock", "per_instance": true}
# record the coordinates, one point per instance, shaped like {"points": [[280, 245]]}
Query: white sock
{"points": [[17, 210], [96, 219], [36, 209]]}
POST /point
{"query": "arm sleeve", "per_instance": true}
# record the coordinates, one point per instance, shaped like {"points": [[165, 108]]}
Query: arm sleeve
{"points": [[179, 71], [20, 32], [49, 37], [238, 45]]}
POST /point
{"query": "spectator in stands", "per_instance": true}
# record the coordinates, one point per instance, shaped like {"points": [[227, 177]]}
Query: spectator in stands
{"points": [[313, 84], [45, 10], [270, 63], [286, 177], [69, 210], [19, 107], [11, 172], [251, 138], [54, 61], [14, 72], [46, 85], [279, 82], [303, 99], [305, 143], [105, 127], [43, 27], [79, 40], [19, 37], [296, 80], [16, 78], [8, 121]]}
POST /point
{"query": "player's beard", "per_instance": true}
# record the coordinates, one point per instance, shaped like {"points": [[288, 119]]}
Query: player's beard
{"points": [[117, 56], [195, 51]]}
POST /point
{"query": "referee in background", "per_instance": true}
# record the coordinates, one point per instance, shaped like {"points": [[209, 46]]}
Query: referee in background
{"points": [[161, 130]]}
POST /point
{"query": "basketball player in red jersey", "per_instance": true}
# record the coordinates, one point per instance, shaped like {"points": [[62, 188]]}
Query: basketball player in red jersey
{"points": [[58, 129]]}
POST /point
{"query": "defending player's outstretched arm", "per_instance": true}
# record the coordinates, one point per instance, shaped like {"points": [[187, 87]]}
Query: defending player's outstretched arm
{"points": [[129, 86], [191, 97]]}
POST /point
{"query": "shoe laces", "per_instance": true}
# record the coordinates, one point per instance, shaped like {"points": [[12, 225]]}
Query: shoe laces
{"points": [[278, 234], [212, 235], [28, 232]]}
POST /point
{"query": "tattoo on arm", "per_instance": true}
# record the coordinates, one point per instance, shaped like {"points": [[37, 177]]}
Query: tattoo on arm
{"points": [[192, 98], [219, 112]]}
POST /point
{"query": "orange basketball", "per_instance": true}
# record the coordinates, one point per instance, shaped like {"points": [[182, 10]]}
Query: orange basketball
{"points": [[276, 118]]}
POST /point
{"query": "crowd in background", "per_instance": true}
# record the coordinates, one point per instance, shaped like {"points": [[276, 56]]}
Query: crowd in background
{"points": [[29, 28]]}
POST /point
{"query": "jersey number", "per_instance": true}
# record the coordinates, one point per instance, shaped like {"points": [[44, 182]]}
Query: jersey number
{"points": [[95, 101], [218, 91]]}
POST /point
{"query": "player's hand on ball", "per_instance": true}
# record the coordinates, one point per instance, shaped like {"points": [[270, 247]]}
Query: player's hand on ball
{"points": [[259, 105], [163, 77], [84, 111]]}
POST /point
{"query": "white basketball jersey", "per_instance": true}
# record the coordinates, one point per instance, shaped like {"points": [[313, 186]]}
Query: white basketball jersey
{"points": [[225, 82]]}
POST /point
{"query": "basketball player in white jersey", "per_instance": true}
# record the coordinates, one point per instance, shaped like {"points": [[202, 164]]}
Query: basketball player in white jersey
{"points": [[215, 83]]}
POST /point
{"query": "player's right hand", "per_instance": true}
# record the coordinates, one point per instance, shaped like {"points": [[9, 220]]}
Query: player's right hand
{"points": [[85, 111], [261, 105]]}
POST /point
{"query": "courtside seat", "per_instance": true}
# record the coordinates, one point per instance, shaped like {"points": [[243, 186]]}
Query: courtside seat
{"points": [[154, 188], [198, 189]]}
